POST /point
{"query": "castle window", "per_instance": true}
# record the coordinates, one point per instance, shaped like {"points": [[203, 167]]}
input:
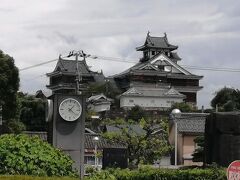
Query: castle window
{"points": [[161, 67], [153, 53], [145, 54], [131, 100]]}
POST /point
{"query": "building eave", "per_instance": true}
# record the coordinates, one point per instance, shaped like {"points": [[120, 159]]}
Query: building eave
{"points": [[188, 88], [59, 73], [62, 86], [144, 47]]}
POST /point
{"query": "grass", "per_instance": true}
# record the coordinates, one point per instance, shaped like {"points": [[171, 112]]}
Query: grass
{"points": [[19, 177]]}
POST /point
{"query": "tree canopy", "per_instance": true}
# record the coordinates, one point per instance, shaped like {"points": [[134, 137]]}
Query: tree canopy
{"points": [[9, 84], [198, 154], [183, 107], [136, 113], [143, 146], [32, 113], [226, 99]]}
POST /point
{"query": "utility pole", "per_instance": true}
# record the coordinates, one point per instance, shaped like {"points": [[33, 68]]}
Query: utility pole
{"points": [[78, 74], [1, 121], [79, 92], [0, 114]]}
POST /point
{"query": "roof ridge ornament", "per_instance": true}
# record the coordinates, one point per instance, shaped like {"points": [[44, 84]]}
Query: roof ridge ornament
{"points": [[166, 39], [148, 33], [165, 34]]}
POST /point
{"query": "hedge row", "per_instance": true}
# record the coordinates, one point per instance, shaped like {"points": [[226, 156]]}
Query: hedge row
{"points": [[9, 177], [161, 174]]}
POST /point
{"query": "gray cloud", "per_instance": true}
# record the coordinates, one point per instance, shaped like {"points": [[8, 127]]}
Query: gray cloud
{"points": [[207, 32]]}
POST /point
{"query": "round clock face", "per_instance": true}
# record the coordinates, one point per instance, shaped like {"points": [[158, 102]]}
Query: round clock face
{"points": [[70, 109]]}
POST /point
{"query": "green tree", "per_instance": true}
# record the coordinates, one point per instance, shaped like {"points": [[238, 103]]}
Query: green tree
{"points": [[9, 84], [226, 99], [106, 88], [136, 113], [143, 146], [32, 112], [198, 155], [183, 107]]}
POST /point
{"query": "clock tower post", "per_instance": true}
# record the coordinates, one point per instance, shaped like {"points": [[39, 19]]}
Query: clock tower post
{"points": [[66, 129]]}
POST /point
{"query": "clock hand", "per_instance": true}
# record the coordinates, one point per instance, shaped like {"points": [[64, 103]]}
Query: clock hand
{"points": [[71, 107], [72, 111]]}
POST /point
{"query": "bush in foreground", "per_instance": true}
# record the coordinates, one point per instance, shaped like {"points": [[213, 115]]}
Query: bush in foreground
{"points": [[160, 174], [19, 177], [21, 154]]}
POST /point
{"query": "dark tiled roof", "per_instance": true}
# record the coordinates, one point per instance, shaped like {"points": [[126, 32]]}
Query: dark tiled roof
{"points": [[101, 143], [157, 42], [191, 122], [175, 56], [136, 70], [70, 66], [164, 74], [89, 143], [42, 135], [135, 129], [153, 92]]}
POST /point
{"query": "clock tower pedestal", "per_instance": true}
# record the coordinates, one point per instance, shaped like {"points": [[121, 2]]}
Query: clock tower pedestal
{"points": [[66, 129]]}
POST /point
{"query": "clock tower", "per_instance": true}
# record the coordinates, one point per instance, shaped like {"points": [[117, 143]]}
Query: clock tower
{"points": [[67, 126], [66, 108]]}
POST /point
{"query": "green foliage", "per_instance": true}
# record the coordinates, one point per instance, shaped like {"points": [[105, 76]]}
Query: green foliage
{"points": [[145, 146], [149, 173], [32, 112], [20, 154], [227, 99], [90, 169], [19, 177], [15, 126], [183, 107], [136, 113], [103, 175], [105, 88], [9, 84], [198, 155]]}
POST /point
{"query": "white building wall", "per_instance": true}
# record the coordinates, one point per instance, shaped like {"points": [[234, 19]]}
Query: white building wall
{"points": [[148, 102], [100, 107]]}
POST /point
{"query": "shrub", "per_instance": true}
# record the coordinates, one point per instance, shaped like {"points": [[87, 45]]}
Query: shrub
{"points": [[21, 154], [20, 177], [90, 170], [161, 174]]}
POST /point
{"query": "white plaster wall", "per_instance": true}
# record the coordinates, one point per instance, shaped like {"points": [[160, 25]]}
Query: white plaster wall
{"points": [[100, 108], [149, 102]]}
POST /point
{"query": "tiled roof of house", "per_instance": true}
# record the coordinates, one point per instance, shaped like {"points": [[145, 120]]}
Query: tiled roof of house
{"points": [[191, 122], [153, 92], [42, 135], [101, 143], [89, 142], [98, 97]]}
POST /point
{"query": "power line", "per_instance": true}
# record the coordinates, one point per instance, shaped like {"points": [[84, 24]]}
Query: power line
{"points": [[186, 66], [35, 77], [116, 59], [36, 65], [212, 68]]}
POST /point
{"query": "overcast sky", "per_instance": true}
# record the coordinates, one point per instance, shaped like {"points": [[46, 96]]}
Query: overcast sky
{"points": [[207, 33]]}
